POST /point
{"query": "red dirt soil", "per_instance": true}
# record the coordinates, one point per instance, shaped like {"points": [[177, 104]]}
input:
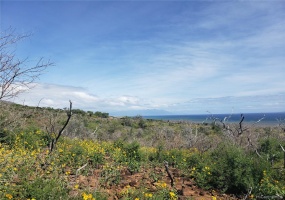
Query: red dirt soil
{"points": [[185, 187]]}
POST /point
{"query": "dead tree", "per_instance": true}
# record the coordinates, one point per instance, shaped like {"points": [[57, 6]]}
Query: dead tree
{"points": [[16, 75], [54, 140]]}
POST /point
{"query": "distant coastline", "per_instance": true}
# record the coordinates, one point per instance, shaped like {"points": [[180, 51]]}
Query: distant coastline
{"points": [[264, 119]]}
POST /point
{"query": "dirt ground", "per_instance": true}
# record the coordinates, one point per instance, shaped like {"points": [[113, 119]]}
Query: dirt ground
{"points": [[185, 187]]}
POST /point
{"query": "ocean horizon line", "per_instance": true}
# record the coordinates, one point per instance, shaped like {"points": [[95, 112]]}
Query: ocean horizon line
{"points": [[209, 113], [268, 118]]}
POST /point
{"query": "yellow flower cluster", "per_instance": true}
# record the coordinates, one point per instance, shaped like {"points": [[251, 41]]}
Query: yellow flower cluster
{"points": [[127, 190], [173, 196], [161, 184], [9, 196], [148, 195], [87, 196], [207, 170], [91, 147], [148, 150]]}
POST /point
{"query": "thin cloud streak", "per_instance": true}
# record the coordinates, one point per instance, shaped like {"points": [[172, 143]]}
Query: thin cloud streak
{"points": [[159, 55]]}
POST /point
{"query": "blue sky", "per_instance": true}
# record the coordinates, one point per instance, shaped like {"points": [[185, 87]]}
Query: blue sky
{"points": [[183, 57]]}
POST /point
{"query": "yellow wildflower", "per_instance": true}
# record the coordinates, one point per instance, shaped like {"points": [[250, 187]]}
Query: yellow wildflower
{"points": [[148, 195], [9, 196], [163, 185], [87, 196], [172, 195]]}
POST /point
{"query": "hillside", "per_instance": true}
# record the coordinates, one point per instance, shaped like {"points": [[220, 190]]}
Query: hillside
{"points": [[103, 157]]}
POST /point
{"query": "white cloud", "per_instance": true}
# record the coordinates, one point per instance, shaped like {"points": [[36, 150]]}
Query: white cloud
{"points": [[47, 102], [57, 96], [84, 96]]}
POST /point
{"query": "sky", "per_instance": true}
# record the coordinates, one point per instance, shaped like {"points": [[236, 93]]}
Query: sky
{"points": [[153, 57]]}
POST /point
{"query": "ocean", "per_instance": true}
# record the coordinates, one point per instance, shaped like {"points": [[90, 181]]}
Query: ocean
{"points": [[270, 119]]}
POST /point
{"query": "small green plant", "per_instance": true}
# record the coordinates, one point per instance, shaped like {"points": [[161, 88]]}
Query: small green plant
{"points": [[270, 187], [270, 150], [7, 136], [133, 156], [42, 188], [111, 175], [130, 154]]}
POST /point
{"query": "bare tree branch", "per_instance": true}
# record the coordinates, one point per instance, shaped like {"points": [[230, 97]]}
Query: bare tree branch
{"points": [[240, 131], [168, 173], [77, 171], [16, 75], [54, 141], [283, 154]]}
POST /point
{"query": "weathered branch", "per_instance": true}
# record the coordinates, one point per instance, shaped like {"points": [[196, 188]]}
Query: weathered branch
{"points": [[16, 75], [77, 171], [284, 154], [69, 113], [258, 153], [240, 131], [248, 194], [54, 141], [168, 173]]}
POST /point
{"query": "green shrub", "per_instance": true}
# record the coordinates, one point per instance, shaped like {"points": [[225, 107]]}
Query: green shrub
{"points": [[7, 137], [233, 169], [216, 128], [43, 189], [130, 154], [269, 186], [174, 157], [159, 155], [270, 149], [227, 168], [133, 156], [132, 151], [111, 174]]}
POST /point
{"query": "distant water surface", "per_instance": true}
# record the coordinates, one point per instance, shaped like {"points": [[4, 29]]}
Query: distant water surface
{"points": [[249, 118]]}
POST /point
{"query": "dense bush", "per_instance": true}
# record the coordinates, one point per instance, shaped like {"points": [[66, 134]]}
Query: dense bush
{"points": [[233, 169], [269, 149], [42, 188]]}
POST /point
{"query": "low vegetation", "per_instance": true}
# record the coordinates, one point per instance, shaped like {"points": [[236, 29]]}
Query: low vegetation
{"points": [[102, 157]]}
